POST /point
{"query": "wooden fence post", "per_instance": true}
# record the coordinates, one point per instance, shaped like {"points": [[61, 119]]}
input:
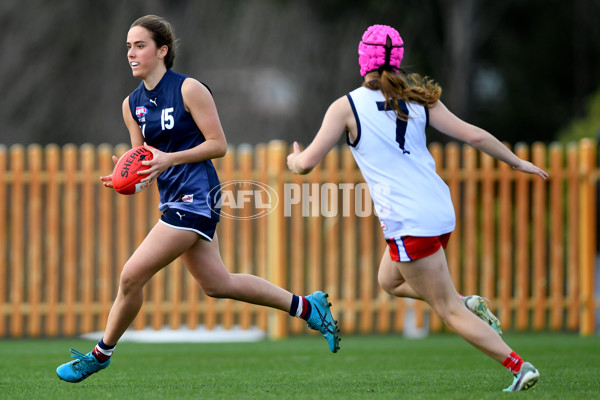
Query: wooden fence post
{"points": [[105, 279], [557, 237], [70, 235], [261, 242], [245, 261], [34, 246], [17, 239], [522, 249], [331, 226], [587, 235], [3, 236], [52, 239], [298, 253], [276, 234], [487, 263], [452, 178], [349, 254], [87, 238], [573, 255], [505, 248], [228, 242], [539, 260]]}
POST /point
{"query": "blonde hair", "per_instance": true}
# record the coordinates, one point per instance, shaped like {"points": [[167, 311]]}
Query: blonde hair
{"points": [[412, 88]]}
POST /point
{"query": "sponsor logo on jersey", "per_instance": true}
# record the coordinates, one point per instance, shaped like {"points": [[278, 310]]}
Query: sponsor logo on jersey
{"points": [[187, 198], [141, 111]]}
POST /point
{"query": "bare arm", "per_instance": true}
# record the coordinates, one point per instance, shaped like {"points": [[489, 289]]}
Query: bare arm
{"points": [[200, 104], [135, 134], [444, 121], [337, 120]]}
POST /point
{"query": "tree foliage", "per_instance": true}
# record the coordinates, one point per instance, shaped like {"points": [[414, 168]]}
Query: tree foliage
{"points": [[585, 127]]}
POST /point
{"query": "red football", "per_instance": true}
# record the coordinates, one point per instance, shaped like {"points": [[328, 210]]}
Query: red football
{"points": [[125, 178]]}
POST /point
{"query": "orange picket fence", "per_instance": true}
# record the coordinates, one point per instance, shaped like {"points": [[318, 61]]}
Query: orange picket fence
{"points": [[528, 245]]}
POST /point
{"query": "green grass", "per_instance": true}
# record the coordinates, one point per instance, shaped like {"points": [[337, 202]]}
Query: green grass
{"points": [[367, 367]]}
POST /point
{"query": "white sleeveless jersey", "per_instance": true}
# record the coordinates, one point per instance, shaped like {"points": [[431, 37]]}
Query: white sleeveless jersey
{"points": [[410, 198]]}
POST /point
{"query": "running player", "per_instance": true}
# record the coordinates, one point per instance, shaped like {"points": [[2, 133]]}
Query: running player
{"points": [[175, 117], [385, 121]]}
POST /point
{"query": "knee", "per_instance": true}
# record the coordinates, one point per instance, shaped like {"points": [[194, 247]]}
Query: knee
{"points": [[218, 290], [129, 284]]}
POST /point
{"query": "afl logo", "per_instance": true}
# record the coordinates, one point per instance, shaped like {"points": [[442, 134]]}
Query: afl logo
{"points": [[242, 199], [141, 111]]}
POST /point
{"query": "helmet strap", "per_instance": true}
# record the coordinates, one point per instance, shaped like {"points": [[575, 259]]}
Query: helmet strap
{"points": [[388, 54]]}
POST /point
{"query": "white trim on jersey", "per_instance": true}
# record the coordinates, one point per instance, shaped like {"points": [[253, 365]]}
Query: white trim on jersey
{"points": [[410, 198]]}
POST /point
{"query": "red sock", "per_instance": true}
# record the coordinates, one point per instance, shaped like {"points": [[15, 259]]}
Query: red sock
{"points": [[306, 308], [300, 307], [513, 362]]}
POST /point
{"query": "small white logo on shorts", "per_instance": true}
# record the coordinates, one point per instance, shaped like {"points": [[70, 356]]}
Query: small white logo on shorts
{"points": [[180, 215]]}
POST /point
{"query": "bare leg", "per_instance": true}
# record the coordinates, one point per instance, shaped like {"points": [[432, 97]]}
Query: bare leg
{"points": [[391, 280], [203, 260], [159, 248], [430, 279]]}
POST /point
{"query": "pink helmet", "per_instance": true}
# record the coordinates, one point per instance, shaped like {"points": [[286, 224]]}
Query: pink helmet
{"points": [[381, 47]]}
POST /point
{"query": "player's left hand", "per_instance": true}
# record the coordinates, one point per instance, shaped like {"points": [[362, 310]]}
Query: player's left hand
{"points": [[530, 168]]}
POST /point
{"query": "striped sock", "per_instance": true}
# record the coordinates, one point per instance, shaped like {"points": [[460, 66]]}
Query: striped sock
{"points": [[513, 362], [294, 306], [102, 351], [300, 307]]}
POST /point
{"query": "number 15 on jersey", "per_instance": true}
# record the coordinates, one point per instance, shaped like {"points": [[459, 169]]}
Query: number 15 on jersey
{"points": [[166, 119]]}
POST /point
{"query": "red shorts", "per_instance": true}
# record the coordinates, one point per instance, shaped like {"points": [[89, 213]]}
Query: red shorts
{"points": [[410, 248]]}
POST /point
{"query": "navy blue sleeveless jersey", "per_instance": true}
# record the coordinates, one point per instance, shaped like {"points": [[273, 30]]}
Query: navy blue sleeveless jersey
{"points": [[167, 125]]}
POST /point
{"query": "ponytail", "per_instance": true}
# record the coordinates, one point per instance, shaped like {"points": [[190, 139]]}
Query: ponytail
{"points": [[411, 88]]}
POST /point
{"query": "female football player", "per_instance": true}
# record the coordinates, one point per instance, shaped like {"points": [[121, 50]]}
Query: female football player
{"points": [[174, 116], [385, 121]]}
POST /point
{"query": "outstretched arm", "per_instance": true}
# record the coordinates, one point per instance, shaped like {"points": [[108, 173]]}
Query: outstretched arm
{"points": [[444, 121], [337, 120]]}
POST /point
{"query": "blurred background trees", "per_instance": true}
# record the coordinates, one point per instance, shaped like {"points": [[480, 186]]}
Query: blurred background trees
{"points": [[524, 70]]}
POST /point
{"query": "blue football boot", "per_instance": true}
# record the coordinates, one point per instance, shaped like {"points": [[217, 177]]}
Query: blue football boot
{"points": [[321, 320], [83, 366]]}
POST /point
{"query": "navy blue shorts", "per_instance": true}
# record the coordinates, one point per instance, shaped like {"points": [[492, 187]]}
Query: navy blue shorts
{"points": [[179, 219]]}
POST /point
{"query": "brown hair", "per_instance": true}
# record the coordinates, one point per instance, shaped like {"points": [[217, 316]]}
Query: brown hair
{"points": [[162, 33], [410, 88]]}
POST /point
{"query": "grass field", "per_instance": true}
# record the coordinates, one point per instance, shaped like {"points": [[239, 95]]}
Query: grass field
{"points": [[367, 367]]}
